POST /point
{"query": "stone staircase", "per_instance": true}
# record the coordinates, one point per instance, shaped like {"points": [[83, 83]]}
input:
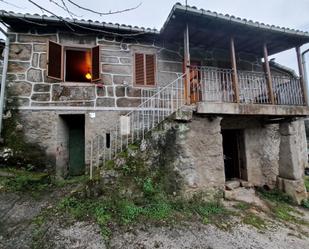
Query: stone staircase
{"points": [[133, 126]]}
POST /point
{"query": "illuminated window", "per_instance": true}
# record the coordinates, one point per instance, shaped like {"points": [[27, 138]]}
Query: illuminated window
{"points": [[73, 64]]}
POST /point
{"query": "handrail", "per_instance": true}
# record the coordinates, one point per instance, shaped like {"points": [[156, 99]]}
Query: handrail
{"points": [[135, 124]]}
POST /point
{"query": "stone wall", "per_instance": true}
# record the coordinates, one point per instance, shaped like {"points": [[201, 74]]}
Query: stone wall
{"points": [[48, 129], [261, 142], [34, 90]]}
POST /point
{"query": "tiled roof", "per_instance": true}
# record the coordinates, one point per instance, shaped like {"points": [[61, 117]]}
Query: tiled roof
{"points": [[6, 15], [230, 18]]}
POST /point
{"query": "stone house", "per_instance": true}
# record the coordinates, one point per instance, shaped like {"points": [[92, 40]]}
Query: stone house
{"points": [[86, 89]]}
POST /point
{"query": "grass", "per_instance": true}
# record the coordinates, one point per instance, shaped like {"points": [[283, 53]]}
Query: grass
{"points": [[282, 206], [255, 221], [22, 180], [107, 212]]}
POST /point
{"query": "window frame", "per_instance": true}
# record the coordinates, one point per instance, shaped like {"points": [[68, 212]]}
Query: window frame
{"points": [[155, 69], [76, 47]]}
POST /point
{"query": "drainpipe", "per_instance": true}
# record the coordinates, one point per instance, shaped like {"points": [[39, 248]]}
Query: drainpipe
{"points": [[305, 73], [3, 80]]}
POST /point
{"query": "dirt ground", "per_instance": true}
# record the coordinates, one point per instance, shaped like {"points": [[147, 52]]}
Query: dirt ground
{"points": [[17, 230]]}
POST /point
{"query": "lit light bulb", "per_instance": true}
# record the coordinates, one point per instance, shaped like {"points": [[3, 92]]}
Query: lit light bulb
{"points": [[88, 76]]}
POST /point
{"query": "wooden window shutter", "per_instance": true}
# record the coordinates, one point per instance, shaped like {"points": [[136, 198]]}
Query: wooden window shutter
{"points": [[150, 69], [54, 61], [139, 69], [95, 61]]}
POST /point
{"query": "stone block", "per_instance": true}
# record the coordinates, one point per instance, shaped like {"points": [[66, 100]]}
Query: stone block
{"points": [[128, 102], [288, 128], [107, 79], [35, 60], [36, 38], [290, 159], [101, 91], [40, 96], [120, 91], [21, 88], [246, 184], [233, 184], [40, 48], [20, 52], [294, 188], [71, 38], [121, 80], [107, 60], [184, 114], [63, 93], [12, 37], [41, 88], [117, 69], [18, 67], [43, 60], [125, 60], [105, 102], [110, 91], [133, 92], [34, 75]]}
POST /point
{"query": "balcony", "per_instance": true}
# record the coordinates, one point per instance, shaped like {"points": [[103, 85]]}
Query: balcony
{"points": [[214, 91]]}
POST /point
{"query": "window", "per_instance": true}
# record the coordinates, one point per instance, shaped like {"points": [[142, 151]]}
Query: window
{"points": [[73, 64], [145, 69]]}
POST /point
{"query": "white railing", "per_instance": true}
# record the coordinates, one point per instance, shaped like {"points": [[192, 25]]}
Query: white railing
{"points": [[133, 126], [252, 88], [287, 90], [216, 85]]}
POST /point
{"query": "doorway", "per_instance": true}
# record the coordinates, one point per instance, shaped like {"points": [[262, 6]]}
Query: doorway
{"points": [[234, 155], [74, 134]]}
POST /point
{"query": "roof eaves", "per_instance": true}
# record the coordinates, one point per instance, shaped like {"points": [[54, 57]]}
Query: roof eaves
{"points": [[82, 22], [194, 10]]}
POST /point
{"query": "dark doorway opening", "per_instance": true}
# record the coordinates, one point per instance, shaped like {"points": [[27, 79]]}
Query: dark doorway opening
{"points": [[234, 154], [75, 132]]}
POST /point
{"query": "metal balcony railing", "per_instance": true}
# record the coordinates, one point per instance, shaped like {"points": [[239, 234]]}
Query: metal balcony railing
{"points": [[216, 85]]}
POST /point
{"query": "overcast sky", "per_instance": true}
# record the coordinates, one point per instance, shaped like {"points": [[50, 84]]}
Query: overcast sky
{"points": [[153, 13]]}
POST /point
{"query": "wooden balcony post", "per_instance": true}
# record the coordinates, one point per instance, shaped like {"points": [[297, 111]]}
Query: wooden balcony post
{"points": [[187, 64], [301, 74], [268, 75], [234, 67]]}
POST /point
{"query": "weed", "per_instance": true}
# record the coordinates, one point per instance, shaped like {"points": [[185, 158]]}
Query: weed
{"points": [[128, 211], [307, 183], [148, 187], [305, 203], [275, 196], [254, 220], [242, 206]]}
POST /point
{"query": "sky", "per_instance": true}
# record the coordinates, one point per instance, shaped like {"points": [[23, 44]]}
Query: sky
{"points": [[153, 13]]}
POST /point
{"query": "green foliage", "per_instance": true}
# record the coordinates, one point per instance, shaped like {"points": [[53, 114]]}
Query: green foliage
{"points": [[242, 206], [275, 196], [254, 220], [307, 183], [158, 211], [148, 187], [128, 211], [23, 181], [305, 203]]}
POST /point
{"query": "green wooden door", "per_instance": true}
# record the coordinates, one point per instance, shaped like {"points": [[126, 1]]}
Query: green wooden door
{"points": [[76, 151]]}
